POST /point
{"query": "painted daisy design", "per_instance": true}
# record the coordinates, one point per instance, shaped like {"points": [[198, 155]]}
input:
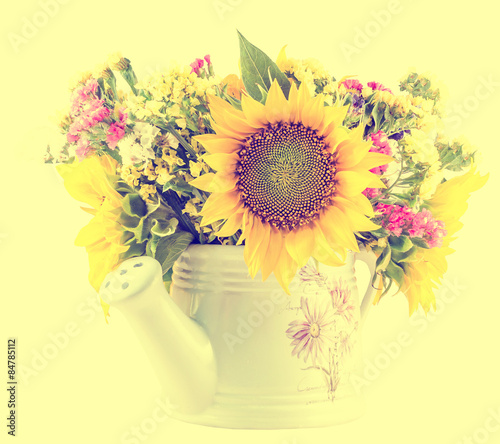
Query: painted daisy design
{"points": [[290, 177], [314, 336]]}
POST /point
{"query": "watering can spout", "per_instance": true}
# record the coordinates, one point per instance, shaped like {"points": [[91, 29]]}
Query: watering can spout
{"points": [[178, 347]]}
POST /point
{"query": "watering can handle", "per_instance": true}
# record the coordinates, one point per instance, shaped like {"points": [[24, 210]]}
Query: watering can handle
{"points": [[369, 259]]}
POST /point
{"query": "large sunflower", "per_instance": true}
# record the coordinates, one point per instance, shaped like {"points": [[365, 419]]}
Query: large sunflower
{"points": [[290, 177]]}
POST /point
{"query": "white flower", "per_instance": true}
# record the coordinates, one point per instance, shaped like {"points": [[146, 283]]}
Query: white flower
{"points": [[432, 179], [138, 146], [421, 147]]}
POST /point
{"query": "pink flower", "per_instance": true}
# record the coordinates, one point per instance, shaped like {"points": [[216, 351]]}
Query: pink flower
{"points": [[82, 148], [375, 86], [314, 336], [309, 274], [341, 300], [197, 65], [380, 145], [371, 193], [207, 59], [116, 130], [353, 84], [400, 220], [115, 134]]}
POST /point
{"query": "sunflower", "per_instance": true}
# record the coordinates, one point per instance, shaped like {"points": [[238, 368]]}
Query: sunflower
{"points": [[448, 204], [290, 177], [88, 182]]}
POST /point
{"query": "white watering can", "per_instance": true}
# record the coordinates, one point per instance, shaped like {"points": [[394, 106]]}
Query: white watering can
{"points": [[231, 351]]}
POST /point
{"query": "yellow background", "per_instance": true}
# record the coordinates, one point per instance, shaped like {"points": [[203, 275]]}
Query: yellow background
{"points": [[97, 384]]}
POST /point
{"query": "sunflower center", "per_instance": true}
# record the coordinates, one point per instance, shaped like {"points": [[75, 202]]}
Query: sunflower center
{"points": [[286, 175], [314, 330]]}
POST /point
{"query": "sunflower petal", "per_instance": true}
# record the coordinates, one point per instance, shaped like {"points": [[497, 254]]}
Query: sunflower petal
{"points": [[300, 244], [322, 251], [231, 226], [334, 225], [222, 161], [353, 150], [273, 252], [312, 113], [254, 111], [350, 183], [261, 252], [219, 144], [293, 100], [220, 206], [285, 270], [252, 242], [335, 115], [373, 160], [277, 107]]}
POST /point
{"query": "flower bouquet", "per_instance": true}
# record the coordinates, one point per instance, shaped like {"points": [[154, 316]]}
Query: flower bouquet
{"points": [[283, 159]]}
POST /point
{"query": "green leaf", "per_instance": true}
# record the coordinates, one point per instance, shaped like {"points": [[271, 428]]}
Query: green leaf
{"points": [[258, 69], [162, 228], [129, 222], [400, 243], [141, 232], [135, 249], [167, 279], [384, 259], [134, 205], [407, 256], [378, 114], [396, 273], [419, 242], [179, 185], [169, 248]]}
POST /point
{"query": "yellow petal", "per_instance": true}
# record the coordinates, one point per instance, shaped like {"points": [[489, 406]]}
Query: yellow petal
{"points": [[252, 242], [262, 250], [335, 136], [224, 162], [359, 202], [356, 220], [224, 131], [285, 269], [215, 183], [302, 98], [231, 226], [277, 107], [322, 251], [373, 160], [300, 244], [351, 151], [219, 144], [351, 183], [220, 206], [203, 182], [293, 100], [273, 252], [282, 59], [335, 115], [334, 226], [254, 111], [312, 113]]}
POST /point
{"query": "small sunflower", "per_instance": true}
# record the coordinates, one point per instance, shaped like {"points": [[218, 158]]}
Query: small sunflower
{"points": [[290, 177], [449, 204]]}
